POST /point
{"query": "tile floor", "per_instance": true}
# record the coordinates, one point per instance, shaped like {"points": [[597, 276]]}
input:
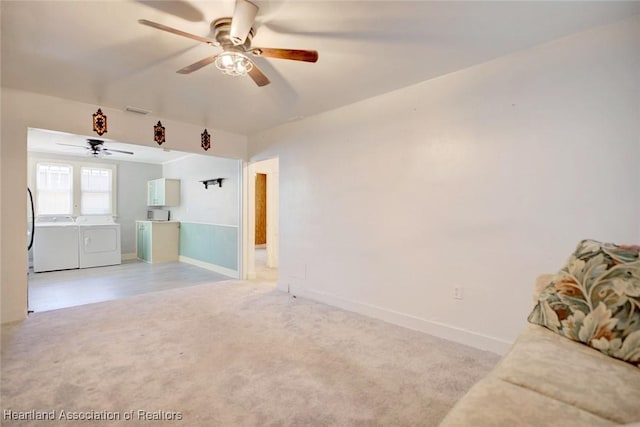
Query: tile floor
{"points": [[68, 288]]}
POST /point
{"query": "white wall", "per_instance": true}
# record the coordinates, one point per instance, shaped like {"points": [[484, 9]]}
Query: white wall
{"points": [[214, 205], [132, 200], [21, 110], [483, 179], [214, 210]]}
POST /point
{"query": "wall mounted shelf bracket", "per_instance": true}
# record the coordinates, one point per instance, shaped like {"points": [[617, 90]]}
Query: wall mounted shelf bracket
{"points": [[214, 181]]}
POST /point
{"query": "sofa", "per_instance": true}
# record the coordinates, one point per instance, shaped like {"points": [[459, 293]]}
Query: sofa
{"points": [[547, 379]]}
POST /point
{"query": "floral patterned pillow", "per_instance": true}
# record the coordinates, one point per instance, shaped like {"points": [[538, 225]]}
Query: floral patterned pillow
{"points": [[595, 299]]}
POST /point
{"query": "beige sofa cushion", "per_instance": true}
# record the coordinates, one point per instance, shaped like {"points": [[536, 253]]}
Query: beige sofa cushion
{"points": [[569, 372], [494, 403]]}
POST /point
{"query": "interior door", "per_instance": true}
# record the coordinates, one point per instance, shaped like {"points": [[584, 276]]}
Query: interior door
{"points": [[261, 209]]}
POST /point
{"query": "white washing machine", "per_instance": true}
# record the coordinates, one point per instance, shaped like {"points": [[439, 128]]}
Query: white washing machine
{"points": [[98, 241], [55, 244]]}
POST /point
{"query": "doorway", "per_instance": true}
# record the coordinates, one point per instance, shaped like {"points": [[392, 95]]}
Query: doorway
{"points": [[263, 221]]}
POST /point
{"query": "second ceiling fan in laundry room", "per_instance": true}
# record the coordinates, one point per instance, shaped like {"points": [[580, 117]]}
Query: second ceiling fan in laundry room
{"points": [[96, 148], [234, 36]]}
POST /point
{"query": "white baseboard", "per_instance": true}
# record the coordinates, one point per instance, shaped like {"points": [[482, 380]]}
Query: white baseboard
{"points": [[213, 267], [441, 330], [127, 257]]}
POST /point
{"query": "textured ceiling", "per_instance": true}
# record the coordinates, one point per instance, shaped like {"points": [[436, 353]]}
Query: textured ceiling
{"points": [[96, 52]]}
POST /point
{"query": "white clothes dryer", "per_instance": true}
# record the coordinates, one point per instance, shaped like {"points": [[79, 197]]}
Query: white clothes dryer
{"points": [[98, 241]]}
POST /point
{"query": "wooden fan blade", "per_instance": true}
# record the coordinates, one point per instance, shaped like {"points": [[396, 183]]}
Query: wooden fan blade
{"points": [[243, 16], [258, 76], [293, 54], [197, 65], [178, 32]]}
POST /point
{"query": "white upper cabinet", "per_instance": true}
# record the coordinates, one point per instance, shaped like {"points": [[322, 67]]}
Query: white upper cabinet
{"points": [[163, 192]]}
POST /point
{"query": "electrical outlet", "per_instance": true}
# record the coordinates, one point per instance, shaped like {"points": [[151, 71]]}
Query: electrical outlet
{"points": [[457, 292]]}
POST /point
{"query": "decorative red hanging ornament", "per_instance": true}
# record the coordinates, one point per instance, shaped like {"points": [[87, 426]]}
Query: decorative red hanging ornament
{"points": [[158, 133], [205, 140], [99, 122]]}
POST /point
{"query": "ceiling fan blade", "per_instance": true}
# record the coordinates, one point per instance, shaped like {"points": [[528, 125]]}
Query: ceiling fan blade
{"points": [[293, 54], [197, 65], [258, 76], [71, 145], [110, 150], [178, 32], [243, 16]]}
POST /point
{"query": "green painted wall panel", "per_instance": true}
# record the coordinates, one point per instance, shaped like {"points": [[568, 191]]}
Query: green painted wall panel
{"points": [[210, 243]]}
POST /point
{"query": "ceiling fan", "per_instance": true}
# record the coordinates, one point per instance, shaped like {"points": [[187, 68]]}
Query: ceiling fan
{"points": [[97, 148], [234, 36]]}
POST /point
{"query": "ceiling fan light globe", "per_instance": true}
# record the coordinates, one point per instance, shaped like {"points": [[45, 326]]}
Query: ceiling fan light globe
{"points": [[233, 63], [226, 61], [242, 68]]}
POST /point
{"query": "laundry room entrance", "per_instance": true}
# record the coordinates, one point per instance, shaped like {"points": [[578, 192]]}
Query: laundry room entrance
{"points": [[111, 219], [263, 220]]}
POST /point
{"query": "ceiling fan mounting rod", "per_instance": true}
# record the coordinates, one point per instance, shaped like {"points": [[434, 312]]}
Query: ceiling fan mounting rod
{"points": [[222, 32]]}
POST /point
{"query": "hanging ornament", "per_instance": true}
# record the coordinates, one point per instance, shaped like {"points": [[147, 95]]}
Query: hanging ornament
{"points": [[158, 133], [99, 122], [205, 140]]}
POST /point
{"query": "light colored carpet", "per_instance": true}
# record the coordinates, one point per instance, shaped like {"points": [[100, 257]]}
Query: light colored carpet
{"points": [[231, 354]]}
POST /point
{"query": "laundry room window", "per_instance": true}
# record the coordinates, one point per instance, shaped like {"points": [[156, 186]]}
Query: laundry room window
{"points": [[73, 187], [54, 184], [95, 191]]}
